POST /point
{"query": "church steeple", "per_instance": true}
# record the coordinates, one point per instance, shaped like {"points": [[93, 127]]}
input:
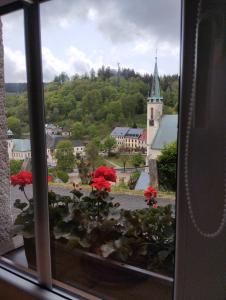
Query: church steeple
{"points": [[155, 89]]}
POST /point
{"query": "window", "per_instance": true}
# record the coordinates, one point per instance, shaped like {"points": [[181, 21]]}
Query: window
{"points": [[101, 262], [152, 113]]}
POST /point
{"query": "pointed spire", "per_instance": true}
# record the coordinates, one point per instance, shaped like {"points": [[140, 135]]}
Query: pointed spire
{"points": [[155, 89]]}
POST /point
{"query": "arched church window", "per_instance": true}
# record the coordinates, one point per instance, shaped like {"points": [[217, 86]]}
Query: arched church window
{"points": [[152, 113]]}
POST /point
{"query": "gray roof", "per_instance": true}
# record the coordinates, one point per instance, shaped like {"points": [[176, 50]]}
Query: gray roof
{"points": [[21, 145], [134, 132], [119, 131], [78, 143], [9, 132], [52, 141], [155, 89], [167, 132]]}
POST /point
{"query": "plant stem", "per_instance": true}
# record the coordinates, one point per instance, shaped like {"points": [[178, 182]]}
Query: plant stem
{"points": [[98, 212], [25, 195]]}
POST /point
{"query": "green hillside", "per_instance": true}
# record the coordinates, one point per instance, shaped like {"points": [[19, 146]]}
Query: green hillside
{"points": [[91, 105]]}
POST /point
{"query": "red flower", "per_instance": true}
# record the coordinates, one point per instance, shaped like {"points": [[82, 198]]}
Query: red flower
{"points": [[150, 193], [107, 173], [23, 178], [50, 178], [155, 206], [100, 184]]}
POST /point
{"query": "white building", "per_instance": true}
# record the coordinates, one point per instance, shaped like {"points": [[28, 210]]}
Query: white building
{"points": [[20, 149], [133, 139]]}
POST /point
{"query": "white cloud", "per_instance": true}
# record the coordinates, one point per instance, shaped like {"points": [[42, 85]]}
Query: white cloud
{"points": [[64, 23], [15, 70], [92, 14], [76, 61]]}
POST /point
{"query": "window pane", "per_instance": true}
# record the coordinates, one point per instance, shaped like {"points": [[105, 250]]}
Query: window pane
{"points": [[112, 163], [16, 193]]}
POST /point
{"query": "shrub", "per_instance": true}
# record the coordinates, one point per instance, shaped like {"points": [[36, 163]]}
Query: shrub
{"points": [[63, 176], [15, 166], [133, 180], [167, 163]]}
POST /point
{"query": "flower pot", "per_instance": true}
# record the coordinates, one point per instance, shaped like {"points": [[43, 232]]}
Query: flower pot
{"points": [[85, 270]]}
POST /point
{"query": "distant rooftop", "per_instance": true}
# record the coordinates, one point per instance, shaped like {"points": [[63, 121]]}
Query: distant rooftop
{"points": [[21, 145], [53, 140], [9, 132], [120, 131], [134, 132], [167, 132]]}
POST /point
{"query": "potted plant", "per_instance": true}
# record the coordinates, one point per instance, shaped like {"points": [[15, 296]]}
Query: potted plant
{"points": [[93, 239]]}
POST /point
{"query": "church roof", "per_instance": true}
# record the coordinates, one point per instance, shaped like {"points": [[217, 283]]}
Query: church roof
{"points": [[155, 89], [167, 132]]}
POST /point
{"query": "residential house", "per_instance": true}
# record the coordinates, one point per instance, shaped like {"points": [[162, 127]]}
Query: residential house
{"points": [[133, 139]]}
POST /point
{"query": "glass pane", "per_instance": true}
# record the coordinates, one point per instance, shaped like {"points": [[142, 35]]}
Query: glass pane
{"points": [[111, 124], [16, 192]]}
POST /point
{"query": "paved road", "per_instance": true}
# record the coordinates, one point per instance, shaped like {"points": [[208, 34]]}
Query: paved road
{"points": [[130, 202]]}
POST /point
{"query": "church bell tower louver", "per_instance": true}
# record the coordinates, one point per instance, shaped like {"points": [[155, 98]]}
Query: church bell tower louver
{"points": [[154, 109]]}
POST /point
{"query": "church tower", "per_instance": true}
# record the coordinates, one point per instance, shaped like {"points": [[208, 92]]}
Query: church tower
{"points": [[154, 109]]}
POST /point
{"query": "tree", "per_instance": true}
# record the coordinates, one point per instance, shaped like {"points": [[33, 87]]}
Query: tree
{"points": [[5, 212], [92, 153], [63, 176], [137, 160], [15, 166], [15, 125], [109, 144], [61, 78], [77, 131], [124, 159], [65, 156], [167, 162]]}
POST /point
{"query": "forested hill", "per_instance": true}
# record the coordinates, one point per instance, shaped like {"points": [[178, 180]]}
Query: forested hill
{"points": [[92, 105]]}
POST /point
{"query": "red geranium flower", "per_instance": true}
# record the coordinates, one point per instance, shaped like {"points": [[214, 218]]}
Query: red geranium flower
{"points": [[107, 173], [23, 178], [150, 193], [100, 183]]}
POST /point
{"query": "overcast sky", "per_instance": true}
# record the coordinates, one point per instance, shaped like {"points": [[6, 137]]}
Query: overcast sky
{"points": [[78, 35]]}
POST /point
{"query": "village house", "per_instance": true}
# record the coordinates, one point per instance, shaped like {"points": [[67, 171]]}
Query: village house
{"points": [[132, 139], [20, 149], [52, 129], [51, 144]]}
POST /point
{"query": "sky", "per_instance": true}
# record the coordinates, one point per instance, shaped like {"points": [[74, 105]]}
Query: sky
{"points": [[78, 35]]}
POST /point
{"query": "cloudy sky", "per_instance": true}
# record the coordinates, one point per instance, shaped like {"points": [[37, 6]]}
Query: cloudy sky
{"points": [[78, 35]]}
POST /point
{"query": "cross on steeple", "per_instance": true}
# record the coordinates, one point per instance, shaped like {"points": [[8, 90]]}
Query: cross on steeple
{"points": [[155, 89]]}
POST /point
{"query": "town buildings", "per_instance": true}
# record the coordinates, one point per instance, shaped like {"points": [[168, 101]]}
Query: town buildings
{"points": [[52, 129], [161, 129], [20, 149]]}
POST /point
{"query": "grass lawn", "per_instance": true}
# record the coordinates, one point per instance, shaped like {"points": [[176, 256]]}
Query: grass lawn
{"points": [[118, 190], [116, 160]]}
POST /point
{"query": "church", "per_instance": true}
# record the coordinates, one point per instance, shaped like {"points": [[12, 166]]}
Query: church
{"points": [[161, 129]]}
